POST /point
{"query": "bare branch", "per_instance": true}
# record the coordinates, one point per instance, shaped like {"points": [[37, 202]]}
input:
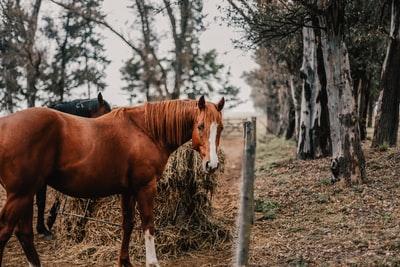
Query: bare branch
{"points": [[101, 22]]}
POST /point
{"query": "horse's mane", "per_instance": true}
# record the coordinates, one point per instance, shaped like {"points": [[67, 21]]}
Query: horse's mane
{"points": [[171, 121]]}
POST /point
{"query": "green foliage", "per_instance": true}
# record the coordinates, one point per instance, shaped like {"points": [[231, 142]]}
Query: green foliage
{"points": [[207, 77], [276, 27], [383, 147], [17, 53], [79, 58], [268, 208], [366, 42], [184, 70], [322, 198]]}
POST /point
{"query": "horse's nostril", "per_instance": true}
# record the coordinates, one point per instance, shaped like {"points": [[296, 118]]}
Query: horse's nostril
{"points": [[209, 168], [208, 165]]}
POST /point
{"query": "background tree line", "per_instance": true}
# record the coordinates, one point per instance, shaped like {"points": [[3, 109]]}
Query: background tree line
{"points": [[323, 68], [50, 48], [323, 64]]}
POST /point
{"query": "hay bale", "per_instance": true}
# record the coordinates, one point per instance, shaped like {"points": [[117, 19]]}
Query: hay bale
{"points": [[183, 216]]}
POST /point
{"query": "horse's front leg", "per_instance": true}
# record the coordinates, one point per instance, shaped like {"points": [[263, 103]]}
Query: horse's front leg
{"points": [[145, 200], [127, 206]]}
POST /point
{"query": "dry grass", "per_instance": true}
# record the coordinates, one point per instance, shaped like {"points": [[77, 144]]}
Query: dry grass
{"points": [[306, 221]]}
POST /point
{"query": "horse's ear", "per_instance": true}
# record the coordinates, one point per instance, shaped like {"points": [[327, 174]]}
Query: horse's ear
{"points": [[202, 103], [100, 99], [221, 104]]}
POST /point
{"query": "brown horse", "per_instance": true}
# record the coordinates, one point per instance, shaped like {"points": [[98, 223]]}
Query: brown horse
{"points": [[123, 152]]}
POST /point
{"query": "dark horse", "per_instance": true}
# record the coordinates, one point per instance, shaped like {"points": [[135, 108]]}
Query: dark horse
{"points": [[90, 108], [122, 152]]}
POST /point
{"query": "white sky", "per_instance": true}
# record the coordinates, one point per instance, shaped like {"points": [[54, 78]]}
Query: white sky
{"points": [[215, 37]]}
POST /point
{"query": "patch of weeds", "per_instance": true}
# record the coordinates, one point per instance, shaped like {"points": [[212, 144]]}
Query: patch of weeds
{"points": [[360, 243], [322, 198], [388, 217], [393, 245], [298, 262], [337, 191], [305, 190], [268, 208], [383, 147], [374, 165], [325, 180], [281, 181], [262, 166], [357, 189]]}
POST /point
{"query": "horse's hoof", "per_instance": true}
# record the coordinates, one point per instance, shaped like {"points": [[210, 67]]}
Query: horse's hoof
{"points": [[48, 236]]}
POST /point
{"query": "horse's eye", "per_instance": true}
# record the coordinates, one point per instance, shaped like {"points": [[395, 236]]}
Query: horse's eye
{"points": [[200, 127]]}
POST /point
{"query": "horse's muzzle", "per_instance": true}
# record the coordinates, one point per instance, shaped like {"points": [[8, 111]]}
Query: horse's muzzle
{"points": [[210, 168]]}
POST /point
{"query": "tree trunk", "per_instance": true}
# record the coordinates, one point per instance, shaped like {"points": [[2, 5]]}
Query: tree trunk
{"points": [[348, 162], [371, 107], [179, 42], [285, 104], [296, 109], [314, 134], [10, 88], [387, 118], [33, 56], [272, 110], [363, 96]]}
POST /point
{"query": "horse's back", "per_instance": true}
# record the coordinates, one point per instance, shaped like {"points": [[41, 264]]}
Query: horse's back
{"points": [[26, 128]]}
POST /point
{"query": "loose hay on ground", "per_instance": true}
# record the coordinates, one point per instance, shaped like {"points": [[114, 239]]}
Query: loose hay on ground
{"points": [[183, 212]]}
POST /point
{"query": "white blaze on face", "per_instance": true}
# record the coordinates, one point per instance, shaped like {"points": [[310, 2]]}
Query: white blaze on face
{"points": [[213, 145], [151, 258]]}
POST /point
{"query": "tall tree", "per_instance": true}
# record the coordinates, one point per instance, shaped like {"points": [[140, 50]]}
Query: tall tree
{"points": [[79, 59], [278, 54], [153, 73], [348, 161], [366, 52], [271, 91], [20, 28], [183, 70], [314, 136], [10, 62], [387, 119]]}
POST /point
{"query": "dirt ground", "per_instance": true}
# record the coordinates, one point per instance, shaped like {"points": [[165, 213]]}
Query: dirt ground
{"points": [[301, 219]]}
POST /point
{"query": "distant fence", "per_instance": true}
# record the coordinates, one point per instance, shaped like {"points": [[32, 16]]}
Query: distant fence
{"points": [[233, 126]]}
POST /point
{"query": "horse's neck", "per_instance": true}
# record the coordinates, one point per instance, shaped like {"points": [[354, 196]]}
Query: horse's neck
{"points": [[171, 124], [185, 134]]}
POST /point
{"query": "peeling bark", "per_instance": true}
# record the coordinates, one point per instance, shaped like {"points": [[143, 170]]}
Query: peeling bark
{"points": [[348, 162], [314, 122]]}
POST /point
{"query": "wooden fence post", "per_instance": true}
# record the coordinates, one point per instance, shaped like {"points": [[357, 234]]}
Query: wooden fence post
{"points": [[246, 216]]}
